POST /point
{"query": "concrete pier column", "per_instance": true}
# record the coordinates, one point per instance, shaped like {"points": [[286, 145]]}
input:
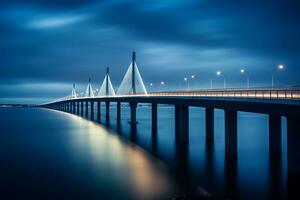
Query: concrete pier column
{"points": [[275, 136], [81, 110], [99, 111], [154, 117], [133, 106], [231, 134], [77, 112], [86, 108], [182, 123], [118, 111], [73, 106], [92, 109], [209, 124], [293, 156], [107, 104]]}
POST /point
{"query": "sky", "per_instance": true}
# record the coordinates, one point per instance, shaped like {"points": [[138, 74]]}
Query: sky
{"points": [[45, 46]]}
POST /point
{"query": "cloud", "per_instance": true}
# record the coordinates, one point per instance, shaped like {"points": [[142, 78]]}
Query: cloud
{"points": [[55, 21], [65, 42]]}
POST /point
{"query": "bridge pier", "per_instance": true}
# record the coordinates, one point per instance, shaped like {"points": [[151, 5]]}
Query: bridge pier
{"points": [[231, 134], [182, 123], [86, 109], [92, 110], [133, 106], [69, 106], [99, 111], [118, 112], [73, 107], [77, 112], [275, 136], [107, 104], [81, 110], [293, 155], [209, 124], [154, 117]]}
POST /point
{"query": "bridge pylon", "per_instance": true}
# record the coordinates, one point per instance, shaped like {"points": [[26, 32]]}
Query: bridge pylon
{"points": [[106, 88], [89, 90], [132, 82], [74, 94]]}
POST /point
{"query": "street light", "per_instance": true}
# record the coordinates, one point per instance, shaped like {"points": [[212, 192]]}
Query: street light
{"points": [[187, 80], [243, 71], [151, 84], [219, 73], [280, 68], [193, 77], [162, 83]]}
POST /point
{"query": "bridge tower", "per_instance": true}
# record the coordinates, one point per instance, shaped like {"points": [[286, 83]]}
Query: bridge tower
{"points": [[133, 74], [106, 88], [89, 90], [74, 95], [132, 82]]}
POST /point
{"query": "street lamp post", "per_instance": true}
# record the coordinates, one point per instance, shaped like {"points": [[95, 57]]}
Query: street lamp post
{"points": [[219, 73], [162, 83], [187, 80], [243, 71], [193, 77], [279, 67]]}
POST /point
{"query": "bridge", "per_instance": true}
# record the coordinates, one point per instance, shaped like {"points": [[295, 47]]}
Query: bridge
{"points": [[275, 102]]}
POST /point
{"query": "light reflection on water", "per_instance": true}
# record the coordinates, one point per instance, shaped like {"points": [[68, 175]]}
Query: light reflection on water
{"points": [[145, 176], [105, 163], [88, 162]]}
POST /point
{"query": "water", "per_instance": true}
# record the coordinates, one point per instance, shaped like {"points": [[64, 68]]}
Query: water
{"points": [[51, 154]]}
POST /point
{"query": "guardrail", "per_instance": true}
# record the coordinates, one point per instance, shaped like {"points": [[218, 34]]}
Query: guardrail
{"points": [[286, 93], [261, 93]]}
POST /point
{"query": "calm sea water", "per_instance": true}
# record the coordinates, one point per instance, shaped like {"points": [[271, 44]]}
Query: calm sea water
{"points": [[48, 154]]}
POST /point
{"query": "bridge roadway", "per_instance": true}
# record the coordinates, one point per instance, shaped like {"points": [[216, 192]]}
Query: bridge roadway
{"points": [[276, 103]]}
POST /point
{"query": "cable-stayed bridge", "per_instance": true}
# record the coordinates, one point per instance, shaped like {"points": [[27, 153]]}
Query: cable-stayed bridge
{"points": [[275, 102]]}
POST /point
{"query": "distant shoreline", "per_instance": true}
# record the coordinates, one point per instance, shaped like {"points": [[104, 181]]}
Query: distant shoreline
{"points": [[16, 105]]}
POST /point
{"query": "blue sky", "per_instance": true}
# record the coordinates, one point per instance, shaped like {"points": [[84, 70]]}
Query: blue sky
{"points": [[47, 45]]}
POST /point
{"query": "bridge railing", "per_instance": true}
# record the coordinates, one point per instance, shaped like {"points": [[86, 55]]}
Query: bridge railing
{"points": [[265, 93], [261, 93]]}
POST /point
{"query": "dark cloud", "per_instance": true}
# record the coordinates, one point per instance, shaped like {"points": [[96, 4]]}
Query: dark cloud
{"points": [[55, 4], [67, 41]]}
